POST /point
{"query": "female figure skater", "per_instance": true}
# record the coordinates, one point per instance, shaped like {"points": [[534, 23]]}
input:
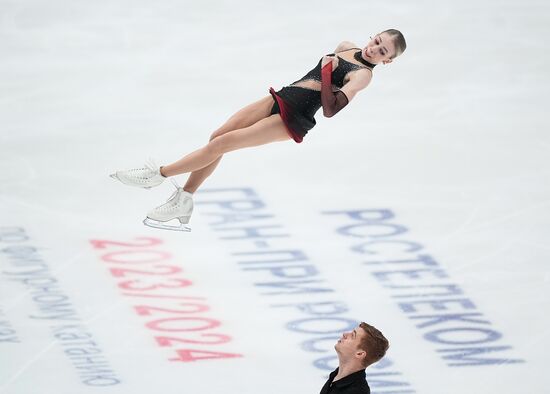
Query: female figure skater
{"points": [[283, 115]]}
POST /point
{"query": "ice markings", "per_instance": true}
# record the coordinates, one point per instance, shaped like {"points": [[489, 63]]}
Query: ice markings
{"points": [[423, 290], [290, 280]]}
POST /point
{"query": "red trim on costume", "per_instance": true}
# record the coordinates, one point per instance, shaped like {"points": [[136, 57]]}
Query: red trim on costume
{"points": [[332, 102], [285, 112], [326, 74]]}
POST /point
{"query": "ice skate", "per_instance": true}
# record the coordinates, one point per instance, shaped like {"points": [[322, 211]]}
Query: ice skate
{"points": [[146, 177], [179, 206]]}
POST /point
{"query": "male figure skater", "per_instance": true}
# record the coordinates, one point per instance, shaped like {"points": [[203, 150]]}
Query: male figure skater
{"points": [[356, 350]]}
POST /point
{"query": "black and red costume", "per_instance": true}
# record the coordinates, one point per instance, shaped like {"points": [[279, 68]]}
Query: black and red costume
{"points": [[297, 105]]}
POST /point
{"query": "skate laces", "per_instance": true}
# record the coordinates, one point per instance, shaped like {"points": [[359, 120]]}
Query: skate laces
{"points": [[151, 165], [176, 185], [172, 197], [172, 201], [145, 172]]}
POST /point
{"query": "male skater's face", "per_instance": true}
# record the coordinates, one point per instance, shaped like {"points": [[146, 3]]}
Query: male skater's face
{"points": [[350, 341]]}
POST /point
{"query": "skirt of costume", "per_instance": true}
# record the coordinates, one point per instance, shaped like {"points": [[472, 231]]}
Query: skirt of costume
{"points": [[297, 107]]}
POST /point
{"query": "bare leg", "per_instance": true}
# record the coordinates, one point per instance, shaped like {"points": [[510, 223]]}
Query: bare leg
{"points": [[198, 177], [265, 131], [243, 118]]}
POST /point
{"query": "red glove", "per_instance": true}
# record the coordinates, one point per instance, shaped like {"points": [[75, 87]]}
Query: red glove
{"points": [[332, 101]]}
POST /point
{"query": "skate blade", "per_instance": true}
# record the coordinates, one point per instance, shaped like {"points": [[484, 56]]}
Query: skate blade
{"points": [[160, 225]]}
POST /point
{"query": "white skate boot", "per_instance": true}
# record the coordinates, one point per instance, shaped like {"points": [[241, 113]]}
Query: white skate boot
{"points": [[179, 206], [146, 177]]}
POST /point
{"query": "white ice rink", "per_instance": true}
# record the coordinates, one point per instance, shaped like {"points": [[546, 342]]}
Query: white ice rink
{"points": [[423, 208]]}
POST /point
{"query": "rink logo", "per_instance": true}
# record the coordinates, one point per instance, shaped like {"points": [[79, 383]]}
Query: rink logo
{"points": [[161, 295], [289, 280], [423, 290], [7, 332], [54, 308]]}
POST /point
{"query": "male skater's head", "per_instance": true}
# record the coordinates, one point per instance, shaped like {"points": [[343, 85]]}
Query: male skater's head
{"points": [[361, 347]]}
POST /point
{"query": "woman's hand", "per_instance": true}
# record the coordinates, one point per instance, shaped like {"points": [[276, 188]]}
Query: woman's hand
{"points": [[330, 58]]}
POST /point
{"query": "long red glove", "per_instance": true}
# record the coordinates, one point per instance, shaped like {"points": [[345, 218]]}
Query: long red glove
{"points": [[332, 101]]}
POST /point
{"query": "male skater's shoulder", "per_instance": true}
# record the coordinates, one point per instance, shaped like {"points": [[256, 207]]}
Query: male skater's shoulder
{"points": [[354, 383]]}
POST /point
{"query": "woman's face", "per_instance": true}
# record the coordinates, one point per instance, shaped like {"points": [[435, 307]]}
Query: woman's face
{"points": [[380, 49]]}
